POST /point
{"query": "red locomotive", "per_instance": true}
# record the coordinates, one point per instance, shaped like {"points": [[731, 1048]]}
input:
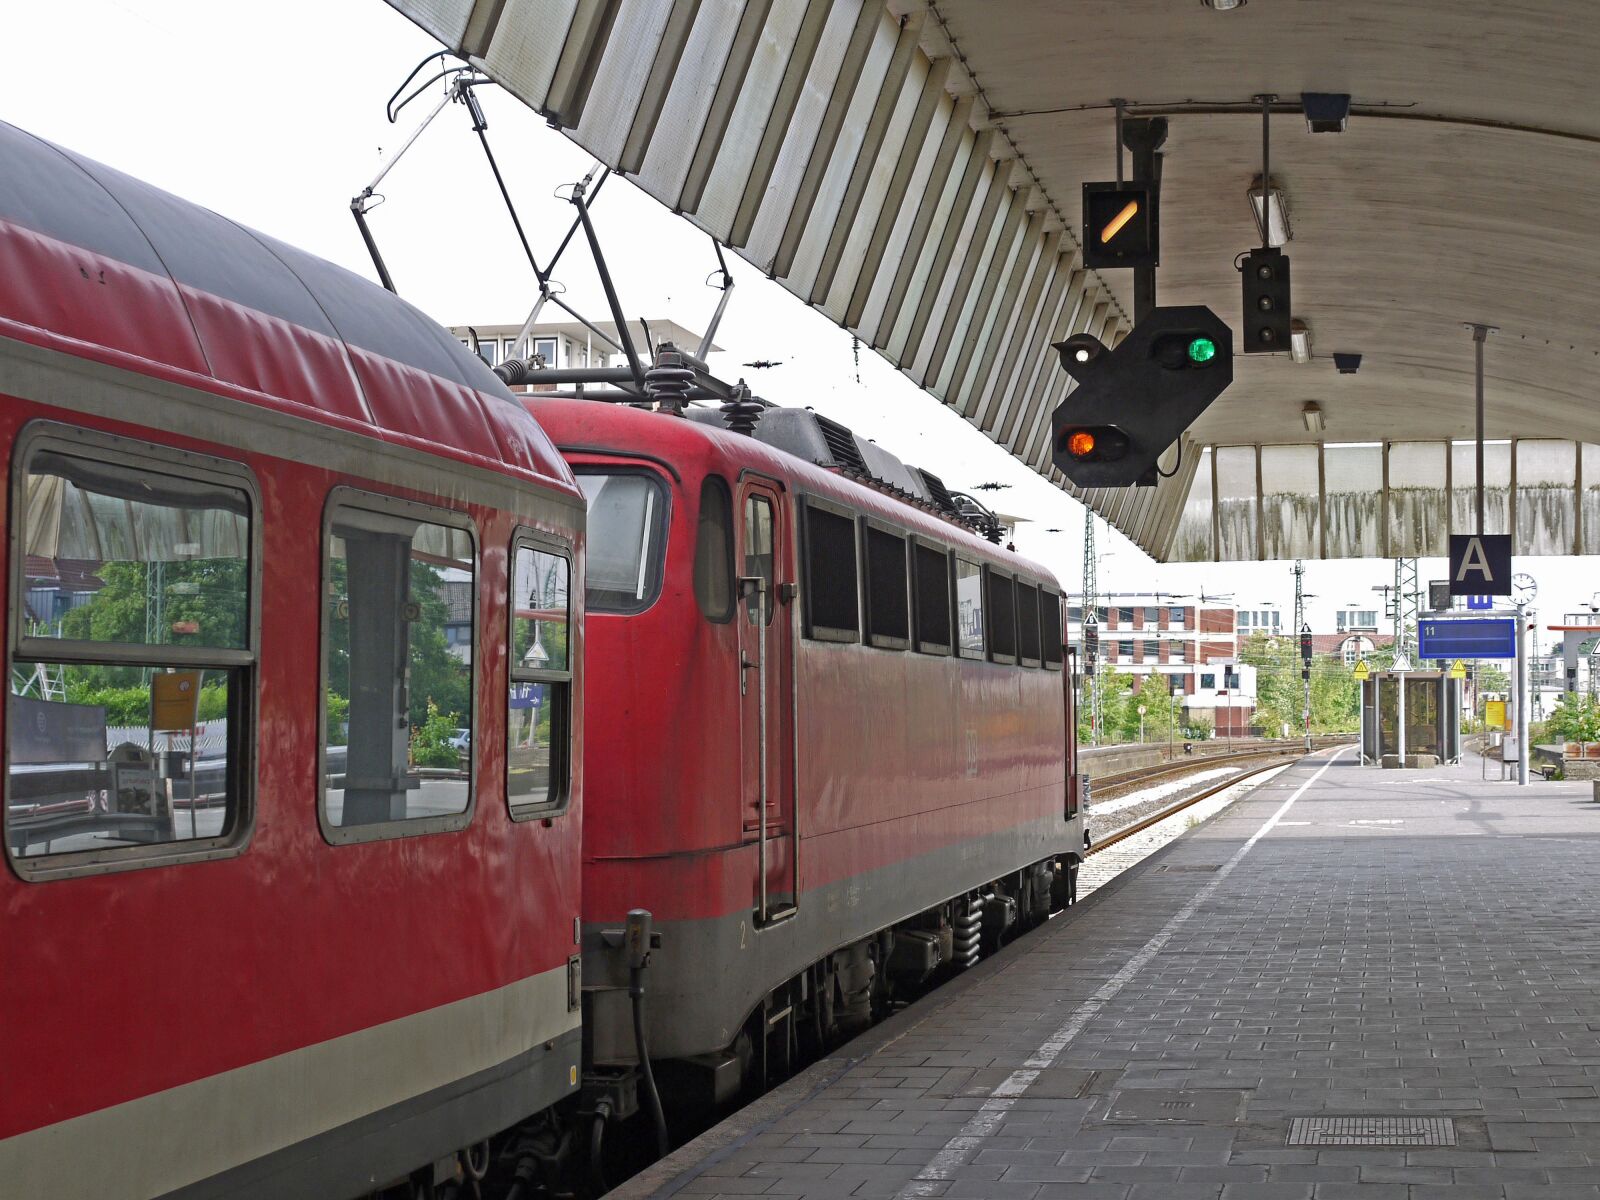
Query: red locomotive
{"points": [[267, 931], [831, 744]]}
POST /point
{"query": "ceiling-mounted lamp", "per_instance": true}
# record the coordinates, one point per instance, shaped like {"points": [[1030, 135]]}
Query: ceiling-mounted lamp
{"points": [[1277, 231], [1224, 5], [1311, 414], [1326, 112], [1299, 341]]}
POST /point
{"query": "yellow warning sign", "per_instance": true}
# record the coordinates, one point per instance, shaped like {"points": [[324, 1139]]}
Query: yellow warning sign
{"points": [[1494, 714], [174, 700], [1458, 669], [1362, 670]]}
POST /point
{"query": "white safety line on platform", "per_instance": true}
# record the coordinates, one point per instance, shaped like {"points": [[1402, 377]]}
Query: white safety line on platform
{"points": [[941, 1168]]}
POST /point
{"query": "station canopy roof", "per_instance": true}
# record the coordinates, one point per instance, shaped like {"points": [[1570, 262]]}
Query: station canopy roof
{"points": [[913, 170]]}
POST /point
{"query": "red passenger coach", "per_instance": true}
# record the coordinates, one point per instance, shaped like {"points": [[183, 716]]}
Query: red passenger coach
{"points": [[835, 748], [266, 928]]}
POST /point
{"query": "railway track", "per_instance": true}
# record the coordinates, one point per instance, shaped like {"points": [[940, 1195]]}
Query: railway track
{"points": [[1142, 823], [1144, 776]]}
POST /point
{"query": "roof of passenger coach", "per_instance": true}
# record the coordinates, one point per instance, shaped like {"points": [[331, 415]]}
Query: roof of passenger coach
{"points": [[690, 447], [99, 263]]}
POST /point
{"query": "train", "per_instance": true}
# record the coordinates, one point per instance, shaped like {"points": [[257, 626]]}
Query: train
{"points": [[399, 768], [833, 756]]}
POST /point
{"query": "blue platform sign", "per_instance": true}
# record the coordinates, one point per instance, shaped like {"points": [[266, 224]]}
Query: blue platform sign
{"points": [[1475, 637], [1480, 603]]}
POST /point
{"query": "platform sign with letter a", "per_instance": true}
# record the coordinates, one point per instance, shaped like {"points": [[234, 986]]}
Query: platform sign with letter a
{"points": [[1480, 564]]}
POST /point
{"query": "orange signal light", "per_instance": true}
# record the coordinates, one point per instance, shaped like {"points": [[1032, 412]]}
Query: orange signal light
{"points": [[1080, 443], [1116, 223]]}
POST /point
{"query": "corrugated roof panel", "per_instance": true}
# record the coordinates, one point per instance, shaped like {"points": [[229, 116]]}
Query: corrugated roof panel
{"points": [[963, 351], [933, 186], [872, 169], [856, 223], [622, 77], [919, 147], [811, 243], [928, 273], [997, 381], [525, 46], [972, 379], [1036, 357], [724, 189], [952, 310], [683, 116], [804, 130]]}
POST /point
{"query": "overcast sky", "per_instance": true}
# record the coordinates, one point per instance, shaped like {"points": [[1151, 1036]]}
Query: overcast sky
{"points": [[272, 113]]}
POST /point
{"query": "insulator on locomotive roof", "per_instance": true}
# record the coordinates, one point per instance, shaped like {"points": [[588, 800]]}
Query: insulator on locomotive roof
{"points": [[514, 371], [741, 411], [669, 378]]}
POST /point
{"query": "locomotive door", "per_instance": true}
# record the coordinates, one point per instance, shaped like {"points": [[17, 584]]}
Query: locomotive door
{"points": [[766, 688]]}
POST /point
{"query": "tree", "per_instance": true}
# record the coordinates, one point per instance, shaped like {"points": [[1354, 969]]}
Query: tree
{"points": [[1575, 719], [1280, 692]]}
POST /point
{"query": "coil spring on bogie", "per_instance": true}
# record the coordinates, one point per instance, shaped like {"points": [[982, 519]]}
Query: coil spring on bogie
{"points": [[968, 927]]}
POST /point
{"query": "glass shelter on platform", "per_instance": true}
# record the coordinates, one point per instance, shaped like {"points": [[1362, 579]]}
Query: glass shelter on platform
{"points": [[1410, 717]]}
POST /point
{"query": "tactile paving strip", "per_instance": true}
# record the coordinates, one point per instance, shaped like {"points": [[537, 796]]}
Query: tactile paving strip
{"points": [[1372, 1131]]}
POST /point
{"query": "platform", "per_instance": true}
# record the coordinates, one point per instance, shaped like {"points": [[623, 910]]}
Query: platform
{"points": [[1419, 951]]}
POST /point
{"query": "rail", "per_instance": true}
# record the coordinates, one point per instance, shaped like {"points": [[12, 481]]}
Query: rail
{"points": [[1140, 775], [1172, 810]]}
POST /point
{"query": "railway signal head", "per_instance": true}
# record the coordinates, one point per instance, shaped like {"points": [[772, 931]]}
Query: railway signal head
{"points": [[1266, 301], [1134, 400], [1121, 226]]}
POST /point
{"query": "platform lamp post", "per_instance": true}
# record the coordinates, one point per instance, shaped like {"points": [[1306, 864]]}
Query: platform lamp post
{"points": [[1141, 724]]}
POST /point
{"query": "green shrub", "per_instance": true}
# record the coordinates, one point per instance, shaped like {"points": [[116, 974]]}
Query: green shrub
{"points": [[430, 741]]}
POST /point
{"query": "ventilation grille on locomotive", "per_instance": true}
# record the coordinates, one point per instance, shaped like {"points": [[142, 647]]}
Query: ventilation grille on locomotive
{"points": [[937, 489], [842, 445]]}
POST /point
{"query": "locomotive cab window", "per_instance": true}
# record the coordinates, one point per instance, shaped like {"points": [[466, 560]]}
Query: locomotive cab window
{"points": [[1000, 592], [399, 630], [933, 598], [888, 594], [627, 539], [713, 551], [1050, 629], [1028, 623], [133, 637], [832, 602], [969, 608], [539, 719]]}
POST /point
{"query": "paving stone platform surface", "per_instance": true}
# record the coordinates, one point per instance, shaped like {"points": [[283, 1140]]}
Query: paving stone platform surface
{"points": [[1370, 944]]}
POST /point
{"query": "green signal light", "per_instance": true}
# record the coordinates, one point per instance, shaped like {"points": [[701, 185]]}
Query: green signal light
{"points": [[1202, 350]]}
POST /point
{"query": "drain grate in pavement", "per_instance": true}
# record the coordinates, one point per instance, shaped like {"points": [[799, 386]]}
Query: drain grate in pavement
{"points": [[1372, 1131], [1188, 867]]}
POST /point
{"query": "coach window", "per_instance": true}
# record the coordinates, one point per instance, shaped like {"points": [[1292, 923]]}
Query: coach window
{"points": [[888, 594], [132, 656], [832, 602], [969, 608], [932, 589], [1050, 629], [626, 539], [399, 629], [713, 552], [539, 721], [1028, 624], [1002, 605]]}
